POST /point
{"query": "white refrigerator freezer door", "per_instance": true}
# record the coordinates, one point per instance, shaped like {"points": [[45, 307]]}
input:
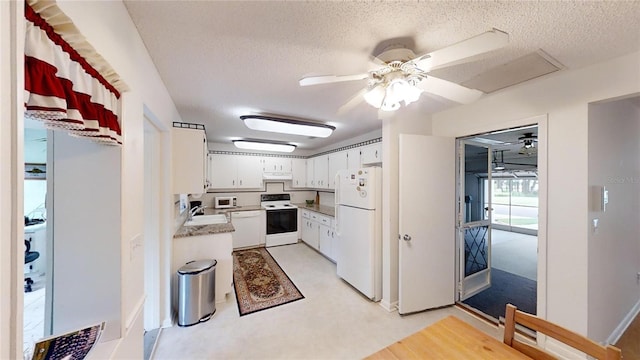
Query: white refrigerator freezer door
{"points": [[357, 188], [356, 258]]}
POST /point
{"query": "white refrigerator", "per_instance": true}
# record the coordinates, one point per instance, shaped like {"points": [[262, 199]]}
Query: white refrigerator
{"points": [[358, 206]]}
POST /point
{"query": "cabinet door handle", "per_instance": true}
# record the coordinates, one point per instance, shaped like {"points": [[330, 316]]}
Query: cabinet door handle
{"points": [[233, 182], [406, 237], [240, 182]]}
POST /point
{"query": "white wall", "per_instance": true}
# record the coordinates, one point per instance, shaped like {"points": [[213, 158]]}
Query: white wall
{"points": [[393, 124], [108, 27], [614, 249], [564, 98], [35, 192], [85, 224]]}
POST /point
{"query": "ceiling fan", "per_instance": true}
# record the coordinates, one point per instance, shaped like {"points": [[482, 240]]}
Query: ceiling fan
{"points": [[528, 141], [402, 76]]}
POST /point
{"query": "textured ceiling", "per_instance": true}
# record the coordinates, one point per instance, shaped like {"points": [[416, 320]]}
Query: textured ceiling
{"points": [[220, 59]]}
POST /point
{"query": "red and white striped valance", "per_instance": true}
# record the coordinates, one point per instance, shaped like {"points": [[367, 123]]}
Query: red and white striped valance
{"points": [[62, 89]]}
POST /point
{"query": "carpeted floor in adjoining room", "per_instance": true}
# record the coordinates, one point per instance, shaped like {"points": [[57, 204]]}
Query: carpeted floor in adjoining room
{"points": [[506, 288]]}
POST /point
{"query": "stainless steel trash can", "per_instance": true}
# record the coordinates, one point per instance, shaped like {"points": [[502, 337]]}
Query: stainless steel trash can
{"points": [[196, 292]]}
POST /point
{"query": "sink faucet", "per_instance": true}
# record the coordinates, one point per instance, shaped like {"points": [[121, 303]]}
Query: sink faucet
{"points": [[195, 210]]}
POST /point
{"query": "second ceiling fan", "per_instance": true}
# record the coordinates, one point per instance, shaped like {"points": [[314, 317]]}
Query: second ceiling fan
{"points": [[403, 76]]}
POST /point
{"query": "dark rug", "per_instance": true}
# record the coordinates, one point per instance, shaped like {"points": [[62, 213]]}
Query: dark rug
{"points": [[505, 288], [260, 283]]}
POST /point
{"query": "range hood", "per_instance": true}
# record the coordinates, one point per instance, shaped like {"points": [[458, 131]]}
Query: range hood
{"points": [[277, 176]]}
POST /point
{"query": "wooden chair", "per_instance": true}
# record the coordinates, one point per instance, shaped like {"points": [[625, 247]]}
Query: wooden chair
{"points": [[514, 316]]}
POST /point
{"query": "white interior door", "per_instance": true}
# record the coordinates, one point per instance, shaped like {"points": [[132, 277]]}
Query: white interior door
{"points": [[474, 218], [427, 222]]}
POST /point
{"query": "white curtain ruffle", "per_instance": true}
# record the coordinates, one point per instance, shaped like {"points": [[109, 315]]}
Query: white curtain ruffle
{"points": [[62, 88]]}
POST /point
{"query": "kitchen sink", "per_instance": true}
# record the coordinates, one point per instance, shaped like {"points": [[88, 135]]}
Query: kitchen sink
{"points": [[207, 220]]}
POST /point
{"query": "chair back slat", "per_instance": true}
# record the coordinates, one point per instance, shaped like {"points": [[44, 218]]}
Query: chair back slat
{"points": [[514, 316], [532, 351]]}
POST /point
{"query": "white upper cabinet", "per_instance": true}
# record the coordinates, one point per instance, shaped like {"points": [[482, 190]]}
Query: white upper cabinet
{"points": [[274, 164], [371, 154], [310, 180], [249, 172], [298, 173], [353, 158], [235, 171], [337, 161], [223, 171], [321, 171], [189, 149]]}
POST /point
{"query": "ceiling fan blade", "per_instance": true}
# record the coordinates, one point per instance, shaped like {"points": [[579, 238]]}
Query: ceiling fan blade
{"points": [[449, 90], [353, 102], [463, 50], [315, 80]]}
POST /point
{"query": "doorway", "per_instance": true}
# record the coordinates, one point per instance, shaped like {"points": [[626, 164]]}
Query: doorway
{"points": [[498, 221], [35, 234]]}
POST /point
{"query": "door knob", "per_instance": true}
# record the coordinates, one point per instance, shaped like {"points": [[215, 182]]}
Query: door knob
{"points": [[406, 237]]}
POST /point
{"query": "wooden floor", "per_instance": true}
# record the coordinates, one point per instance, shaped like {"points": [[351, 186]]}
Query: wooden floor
{"points": [[629, 343]]}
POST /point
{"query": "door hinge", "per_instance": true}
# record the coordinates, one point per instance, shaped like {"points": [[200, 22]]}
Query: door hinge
{"points": [[460, 286]]}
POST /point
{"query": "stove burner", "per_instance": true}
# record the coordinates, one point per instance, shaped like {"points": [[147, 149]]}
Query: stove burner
{"points": [[276, 202]]}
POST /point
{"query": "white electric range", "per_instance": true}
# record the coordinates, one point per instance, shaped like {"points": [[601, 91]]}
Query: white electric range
{"points": [[282, 219]]}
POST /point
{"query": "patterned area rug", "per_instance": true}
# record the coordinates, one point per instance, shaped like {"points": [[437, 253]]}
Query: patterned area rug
{"points": [[259, 282]]}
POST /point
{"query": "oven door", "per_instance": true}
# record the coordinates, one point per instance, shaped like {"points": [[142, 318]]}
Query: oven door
{"points": [[282, 221]]}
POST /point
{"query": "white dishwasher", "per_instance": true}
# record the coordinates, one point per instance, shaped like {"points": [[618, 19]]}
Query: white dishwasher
{"points": [[250, 228]]}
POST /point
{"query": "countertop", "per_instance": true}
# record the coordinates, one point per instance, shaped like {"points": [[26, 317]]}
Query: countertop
{"points": [[197, 230], [322, 209], [208, 211], [186, 231]]}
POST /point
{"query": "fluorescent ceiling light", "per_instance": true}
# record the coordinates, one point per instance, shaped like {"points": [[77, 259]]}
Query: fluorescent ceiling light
{"points": [[287, 126], [263, 145]]}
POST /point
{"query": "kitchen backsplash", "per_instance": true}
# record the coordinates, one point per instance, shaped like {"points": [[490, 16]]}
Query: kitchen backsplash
{"points": [[248, 198]]}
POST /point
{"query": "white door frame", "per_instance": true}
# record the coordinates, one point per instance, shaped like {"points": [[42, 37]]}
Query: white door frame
{"points": [[11, 178], [543, 132], [157, 273]]}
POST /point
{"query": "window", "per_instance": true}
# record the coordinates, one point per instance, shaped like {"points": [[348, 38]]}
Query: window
{"points": [[515, 202]]}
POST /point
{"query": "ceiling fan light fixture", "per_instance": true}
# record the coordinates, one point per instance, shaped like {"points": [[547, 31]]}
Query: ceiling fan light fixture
{"points": [[287, 126], [263, 145], [388, 97], [375, 96]]}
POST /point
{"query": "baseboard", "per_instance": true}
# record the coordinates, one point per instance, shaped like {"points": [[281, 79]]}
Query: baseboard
{"points": [[624, 324], [167, 323], [390, 307], [561, 350], [138, 309]]}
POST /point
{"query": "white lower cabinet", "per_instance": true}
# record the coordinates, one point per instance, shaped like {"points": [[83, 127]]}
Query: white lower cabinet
{"points": [[325, 240], [310, 233], [210, 246], [319, 233]]}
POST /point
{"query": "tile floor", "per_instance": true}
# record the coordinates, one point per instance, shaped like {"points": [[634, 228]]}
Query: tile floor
{"points": [[332, 322]]}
